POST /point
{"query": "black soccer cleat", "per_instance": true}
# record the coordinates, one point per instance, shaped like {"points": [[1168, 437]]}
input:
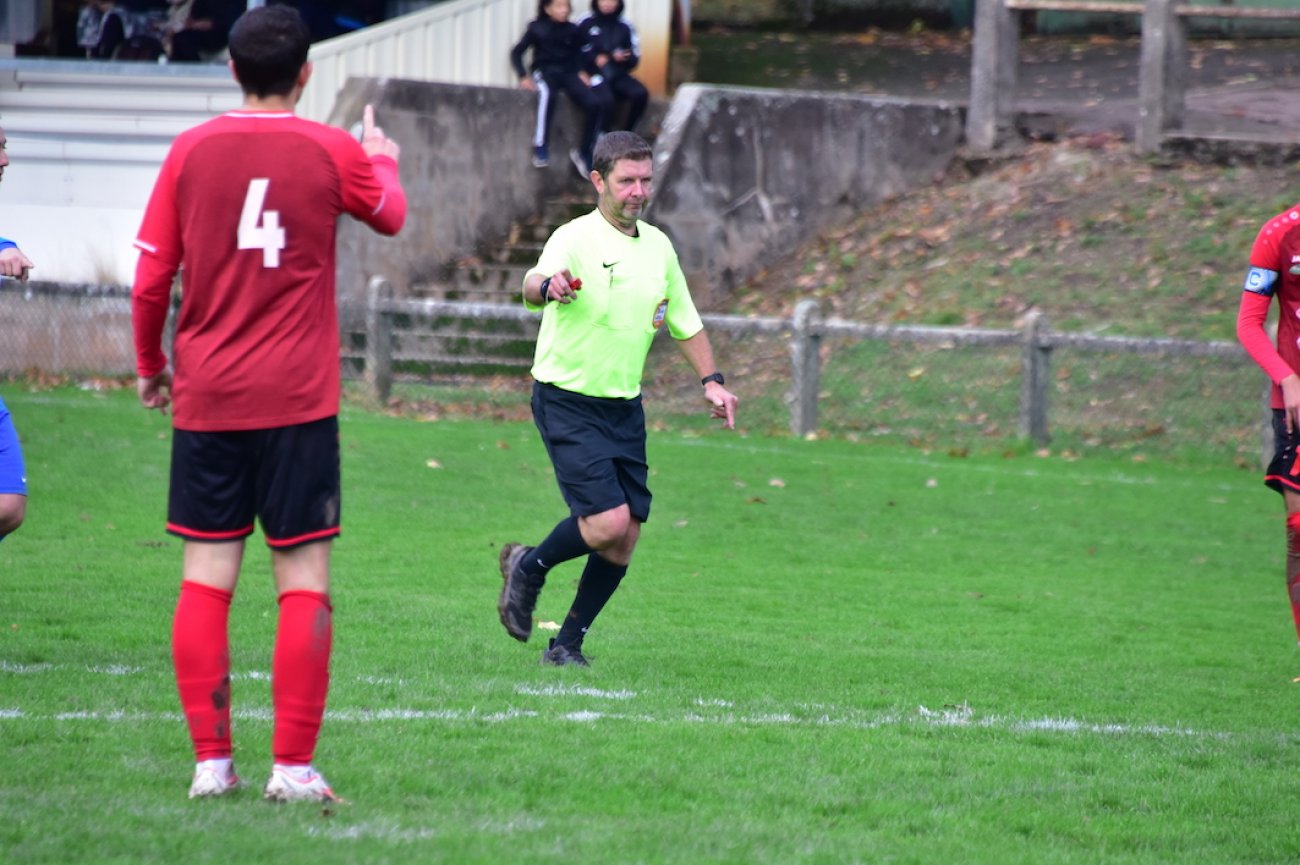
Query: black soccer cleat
{"points": [[558, 655], [518, 593]]}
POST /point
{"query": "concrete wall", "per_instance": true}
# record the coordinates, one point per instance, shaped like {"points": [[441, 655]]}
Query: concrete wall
{"points": [[466, 168], [746, 176], [743, 176]]}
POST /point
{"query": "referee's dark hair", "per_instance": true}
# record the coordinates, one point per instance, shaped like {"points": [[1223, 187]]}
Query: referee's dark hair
{"points": [[268, 46], [613, 146]]}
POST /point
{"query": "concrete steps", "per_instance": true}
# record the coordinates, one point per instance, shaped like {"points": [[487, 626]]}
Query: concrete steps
{"points": [[496, 275]]}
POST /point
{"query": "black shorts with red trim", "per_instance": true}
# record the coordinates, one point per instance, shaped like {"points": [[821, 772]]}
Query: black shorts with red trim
{"points": [[1283, 473], [597, 447], [286, 477]]}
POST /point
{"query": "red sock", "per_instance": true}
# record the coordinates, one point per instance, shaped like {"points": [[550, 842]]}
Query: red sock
{"points": [[300, 675], [201, 657], [1293, 566]]}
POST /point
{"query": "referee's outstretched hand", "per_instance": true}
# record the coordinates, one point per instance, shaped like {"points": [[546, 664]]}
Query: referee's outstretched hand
{"points": [[724, 404], [373, 140]]}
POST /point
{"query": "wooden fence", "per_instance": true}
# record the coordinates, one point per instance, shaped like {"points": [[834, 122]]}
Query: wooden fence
{"points": [[1162, 73], [807, 328]]}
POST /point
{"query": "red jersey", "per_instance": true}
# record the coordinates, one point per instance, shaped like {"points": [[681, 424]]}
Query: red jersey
{"points": [[246, 206], [1274, 271]]}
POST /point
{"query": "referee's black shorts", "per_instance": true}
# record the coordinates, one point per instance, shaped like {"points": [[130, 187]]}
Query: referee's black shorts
{"points": [[597, 447], [288, 477], [1283, 473]]}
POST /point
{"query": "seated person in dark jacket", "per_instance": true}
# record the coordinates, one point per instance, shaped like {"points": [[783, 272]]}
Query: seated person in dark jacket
{"points": [[101, 28], [558, 65], [613, 48], [207, 30]]}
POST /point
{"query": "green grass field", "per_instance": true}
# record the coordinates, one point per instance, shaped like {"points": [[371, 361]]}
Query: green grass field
{"points": [[826, 652]]}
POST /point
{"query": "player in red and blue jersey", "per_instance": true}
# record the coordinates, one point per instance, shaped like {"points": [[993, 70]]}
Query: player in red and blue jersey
{"points": [[246, 207], [1275, 272]]}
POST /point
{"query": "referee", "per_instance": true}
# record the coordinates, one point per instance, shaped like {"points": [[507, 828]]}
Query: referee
{"points": [[606, 282]]}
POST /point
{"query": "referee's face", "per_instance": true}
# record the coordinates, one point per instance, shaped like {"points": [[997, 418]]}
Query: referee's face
{"points": [[624, 193]]}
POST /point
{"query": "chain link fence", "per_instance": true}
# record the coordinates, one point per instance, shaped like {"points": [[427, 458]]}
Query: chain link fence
{"points": [[1172, 399]]}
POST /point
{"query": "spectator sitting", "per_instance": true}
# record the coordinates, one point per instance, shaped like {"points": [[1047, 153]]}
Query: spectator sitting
{"points": [[101, 27], [614, 50], [557, 65], [178, 13], [206, 31], [88, 24]]}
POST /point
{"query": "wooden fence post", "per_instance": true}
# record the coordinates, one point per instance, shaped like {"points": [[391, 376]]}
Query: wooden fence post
{"points": [[995, 56], [1162, 74], [1035, 377], [379, 341], [806, 358]]}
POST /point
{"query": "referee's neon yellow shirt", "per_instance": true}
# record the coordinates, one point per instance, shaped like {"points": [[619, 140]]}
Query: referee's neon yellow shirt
{"points": [[597, 345]]}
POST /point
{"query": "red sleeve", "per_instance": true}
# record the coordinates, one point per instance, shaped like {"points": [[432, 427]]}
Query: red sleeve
{"points": [[389, 217], [159, 242], [150, 298], [1250, 332], [372, 191]]}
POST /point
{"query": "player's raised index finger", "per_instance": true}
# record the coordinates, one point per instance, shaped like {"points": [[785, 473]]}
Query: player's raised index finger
{"points": [[368, 121]]}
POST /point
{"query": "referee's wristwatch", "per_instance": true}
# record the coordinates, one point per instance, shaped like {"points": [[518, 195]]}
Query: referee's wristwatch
{"points": [[717, 376]]}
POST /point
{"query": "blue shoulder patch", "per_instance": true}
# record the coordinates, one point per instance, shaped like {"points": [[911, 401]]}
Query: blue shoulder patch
{"points": [[1260, 280]]}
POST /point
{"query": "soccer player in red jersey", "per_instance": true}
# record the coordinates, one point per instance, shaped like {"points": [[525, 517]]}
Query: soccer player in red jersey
{"points": [[246, 207], [1275, 272]]}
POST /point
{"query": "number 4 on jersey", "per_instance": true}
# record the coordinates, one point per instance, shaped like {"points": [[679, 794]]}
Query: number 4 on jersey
{"points": [[258, 228]]}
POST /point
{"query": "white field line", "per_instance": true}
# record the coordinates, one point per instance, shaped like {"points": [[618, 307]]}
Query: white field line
{"points": [[566, 713], [707, 710]]}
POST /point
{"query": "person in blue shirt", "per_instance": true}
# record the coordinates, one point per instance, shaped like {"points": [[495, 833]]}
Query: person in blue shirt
{"points": [[13, 476]]}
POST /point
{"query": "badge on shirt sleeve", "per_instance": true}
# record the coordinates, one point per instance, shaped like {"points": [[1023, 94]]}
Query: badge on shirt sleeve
{"points": [[661, 311]]}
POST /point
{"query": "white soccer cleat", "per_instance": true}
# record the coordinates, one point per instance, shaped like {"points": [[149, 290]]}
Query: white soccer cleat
{"points": [[298, 784], [213, 778]]}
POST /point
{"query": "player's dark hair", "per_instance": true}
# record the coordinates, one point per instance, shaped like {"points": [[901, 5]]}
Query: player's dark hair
{"points": [[612, 147], [542, 6], [268, 46]]}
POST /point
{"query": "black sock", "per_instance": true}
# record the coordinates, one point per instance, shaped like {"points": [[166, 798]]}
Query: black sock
{"points": [[599, 580], [562, 544]]}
